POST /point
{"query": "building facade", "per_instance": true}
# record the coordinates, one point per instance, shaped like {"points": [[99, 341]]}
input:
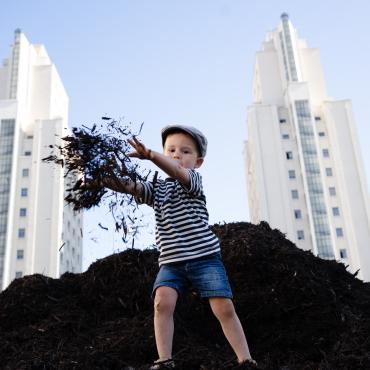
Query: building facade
{"points": [[35, 223], [304, 169]]}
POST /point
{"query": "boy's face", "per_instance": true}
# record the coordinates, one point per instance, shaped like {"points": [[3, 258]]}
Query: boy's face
{"points": [[183, 149]]}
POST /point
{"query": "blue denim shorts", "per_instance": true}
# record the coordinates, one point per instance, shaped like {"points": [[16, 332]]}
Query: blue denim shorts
{"points": [[205, 275]]}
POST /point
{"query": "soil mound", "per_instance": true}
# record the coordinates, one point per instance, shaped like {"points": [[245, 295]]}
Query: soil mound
{"points": [[299, 312]]}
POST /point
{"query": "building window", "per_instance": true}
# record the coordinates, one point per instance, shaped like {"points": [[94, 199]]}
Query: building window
{"points": [[297, 213], [339, 232], [317, 118], [300, 235], [332, 191], [289, 155], [285, 136], [325, 153], [24, 192], [20, 254], [335, 211], [18, 274], [329, 171], [321, 133], [21, 233], [294, 194], [27, 153], [25, 172], [283, 120], [343, 253], [291, 174], [23, 212], [7, 127]]}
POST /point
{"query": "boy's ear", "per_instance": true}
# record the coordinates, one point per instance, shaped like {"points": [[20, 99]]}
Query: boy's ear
{"points": [[199, 162]]}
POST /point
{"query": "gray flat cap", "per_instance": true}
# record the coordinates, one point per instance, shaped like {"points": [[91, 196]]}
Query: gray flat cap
{"points": [[199, 138]]}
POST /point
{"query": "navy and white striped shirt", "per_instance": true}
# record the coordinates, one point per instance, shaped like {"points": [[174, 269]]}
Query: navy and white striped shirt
{"points": [[182, 230]]}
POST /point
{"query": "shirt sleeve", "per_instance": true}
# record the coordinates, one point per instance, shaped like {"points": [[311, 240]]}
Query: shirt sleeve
{"points": [[147, 196], [195, 187]]}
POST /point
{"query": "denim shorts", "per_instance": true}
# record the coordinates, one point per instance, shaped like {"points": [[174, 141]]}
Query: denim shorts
{"points": [[205, 275]]}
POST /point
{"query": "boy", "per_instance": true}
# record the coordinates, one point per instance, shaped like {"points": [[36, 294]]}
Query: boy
{"points": [[189, 251]]}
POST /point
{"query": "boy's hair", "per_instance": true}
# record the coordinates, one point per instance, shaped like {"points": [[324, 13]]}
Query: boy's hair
{"points": [[193, 132]]}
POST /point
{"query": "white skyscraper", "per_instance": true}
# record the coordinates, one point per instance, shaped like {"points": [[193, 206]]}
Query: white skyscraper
{"points": [[304, 170], [38, 232]]}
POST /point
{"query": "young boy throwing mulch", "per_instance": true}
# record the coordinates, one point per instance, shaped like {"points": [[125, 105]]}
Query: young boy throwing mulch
{"points": [[189, 251]]}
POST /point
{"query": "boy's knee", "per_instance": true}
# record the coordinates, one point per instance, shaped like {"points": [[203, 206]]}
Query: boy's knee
{"points": [[223, 309], [162, 306], [165, 300]]}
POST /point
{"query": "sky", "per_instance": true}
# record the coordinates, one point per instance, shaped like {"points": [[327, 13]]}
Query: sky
{"points": [[187, 62]]}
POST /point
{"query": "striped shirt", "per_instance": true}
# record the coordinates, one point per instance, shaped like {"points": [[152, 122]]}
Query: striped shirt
{"points": [[182, 230]]}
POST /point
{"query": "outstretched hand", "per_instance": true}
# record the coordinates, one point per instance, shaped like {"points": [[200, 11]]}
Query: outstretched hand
{"points": [[91, 184], [141, 151]]}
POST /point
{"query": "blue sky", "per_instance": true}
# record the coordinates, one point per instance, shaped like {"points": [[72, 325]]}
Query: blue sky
{"points": [[189, 62]]}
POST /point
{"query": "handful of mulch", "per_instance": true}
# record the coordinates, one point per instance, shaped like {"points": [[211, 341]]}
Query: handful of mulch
{"points": [[93, 154]]}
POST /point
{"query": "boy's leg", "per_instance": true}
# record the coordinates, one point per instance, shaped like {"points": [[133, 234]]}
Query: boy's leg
{"points": [[223, 308], [164, 307]]}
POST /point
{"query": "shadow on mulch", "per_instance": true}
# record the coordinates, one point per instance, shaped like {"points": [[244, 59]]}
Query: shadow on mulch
{"points": [[299, 312]]}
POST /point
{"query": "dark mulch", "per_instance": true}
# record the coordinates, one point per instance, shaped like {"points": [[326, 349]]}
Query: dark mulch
{"points": [[299, 312]]}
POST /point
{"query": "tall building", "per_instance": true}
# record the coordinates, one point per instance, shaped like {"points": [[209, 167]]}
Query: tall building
{"points": [[304, 170], [38, 232]]}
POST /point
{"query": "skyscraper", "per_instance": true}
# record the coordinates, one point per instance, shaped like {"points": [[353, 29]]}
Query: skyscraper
{"points": [[38, 232], [304, 170]]}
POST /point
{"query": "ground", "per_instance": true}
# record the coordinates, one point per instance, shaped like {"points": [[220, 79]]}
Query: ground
{"points": [[299, 312]]}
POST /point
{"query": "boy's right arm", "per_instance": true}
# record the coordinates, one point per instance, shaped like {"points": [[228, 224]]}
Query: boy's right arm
{"points": [[125, 185]]}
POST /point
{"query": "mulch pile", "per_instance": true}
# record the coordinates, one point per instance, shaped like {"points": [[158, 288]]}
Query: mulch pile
{"points": [[299, 312]]}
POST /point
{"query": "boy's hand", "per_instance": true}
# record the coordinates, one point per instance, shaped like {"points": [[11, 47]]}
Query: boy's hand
{"points": [[141, 151], [91, 184]]}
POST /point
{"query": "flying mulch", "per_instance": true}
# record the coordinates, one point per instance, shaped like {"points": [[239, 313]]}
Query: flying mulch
{"points": [[93, 154]]}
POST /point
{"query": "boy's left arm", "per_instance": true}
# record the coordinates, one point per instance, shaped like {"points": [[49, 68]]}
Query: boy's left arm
{"points": [[166, 164]]}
